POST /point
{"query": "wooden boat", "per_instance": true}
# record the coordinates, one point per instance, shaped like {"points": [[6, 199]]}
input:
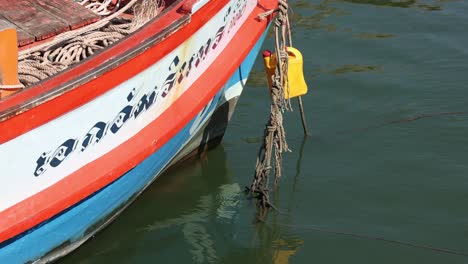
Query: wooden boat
{"points": [[77, 147]]}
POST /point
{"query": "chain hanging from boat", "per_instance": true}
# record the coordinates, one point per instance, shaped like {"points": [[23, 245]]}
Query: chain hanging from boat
{"points": [[69, 48], [274, 143]]}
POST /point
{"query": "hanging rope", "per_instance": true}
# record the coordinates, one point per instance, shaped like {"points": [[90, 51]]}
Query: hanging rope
{"points": [[274, 143], [69, 48]]}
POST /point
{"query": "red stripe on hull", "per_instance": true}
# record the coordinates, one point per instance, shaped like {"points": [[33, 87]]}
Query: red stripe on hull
{"points": [[28, 119], [104, 170]]}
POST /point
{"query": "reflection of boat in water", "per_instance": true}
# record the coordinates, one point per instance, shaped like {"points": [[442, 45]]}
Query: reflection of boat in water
{"points": [[78, 145], [201, 195], [196, 225], [208, 221], [212, 233]]}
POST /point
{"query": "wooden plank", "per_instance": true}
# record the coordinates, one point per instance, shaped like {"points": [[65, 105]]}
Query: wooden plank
{"points": [[24, 38], [69, 12], [32, 20]]}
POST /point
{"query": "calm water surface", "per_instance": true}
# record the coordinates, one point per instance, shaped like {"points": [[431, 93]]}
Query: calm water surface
{"points": [[383, 178]]}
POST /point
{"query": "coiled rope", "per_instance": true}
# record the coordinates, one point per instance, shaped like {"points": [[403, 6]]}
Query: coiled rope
{"points": [[42, 61], [101, 8]]}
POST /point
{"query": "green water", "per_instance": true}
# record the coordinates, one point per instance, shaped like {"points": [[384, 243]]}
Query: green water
{"points": [[382, 179]]}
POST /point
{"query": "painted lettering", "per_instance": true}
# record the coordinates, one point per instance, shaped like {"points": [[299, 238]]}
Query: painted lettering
{"points": [[137, 105]]}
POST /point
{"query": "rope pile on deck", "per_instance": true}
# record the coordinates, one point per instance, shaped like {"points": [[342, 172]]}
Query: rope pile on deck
{"points": [[42, 61], [101, 7]]}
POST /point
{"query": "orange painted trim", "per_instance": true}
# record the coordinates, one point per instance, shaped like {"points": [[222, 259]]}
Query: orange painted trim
{"points": [[9, 83]]}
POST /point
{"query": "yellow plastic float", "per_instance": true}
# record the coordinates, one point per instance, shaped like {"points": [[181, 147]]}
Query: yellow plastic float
{"points": [[297, 84]]}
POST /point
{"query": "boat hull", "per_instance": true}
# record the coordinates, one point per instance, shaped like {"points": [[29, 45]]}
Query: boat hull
{"points": [[70, 228]]}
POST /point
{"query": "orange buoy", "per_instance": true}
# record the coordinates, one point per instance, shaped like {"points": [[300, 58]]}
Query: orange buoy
{"points": [[9, 83]]}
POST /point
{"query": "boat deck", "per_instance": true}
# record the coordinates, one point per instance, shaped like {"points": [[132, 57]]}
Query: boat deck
{"points": [[37, 20]]}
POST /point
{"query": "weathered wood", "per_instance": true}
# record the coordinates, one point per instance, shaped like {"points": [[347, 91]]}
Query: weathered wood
{"points": [[71, 13], [37, 20], [41, 25], [5, 25], [24, 38]]}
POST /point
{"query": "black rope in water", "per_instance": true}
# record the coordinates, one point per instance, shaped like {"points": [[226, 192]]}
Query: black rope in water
{"points": [[407, 120], [318, 229], [424, 116]]}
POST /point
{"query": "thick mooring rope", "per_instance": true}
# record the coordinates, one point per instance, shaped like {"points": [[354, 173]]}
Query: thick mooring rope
{"points": [[274, 143], [69, 48]]}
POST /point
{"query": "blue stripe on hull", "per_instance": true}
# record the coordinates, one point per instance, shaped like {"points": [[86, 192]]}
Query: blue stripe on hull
{"points": [[84, 218]]}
